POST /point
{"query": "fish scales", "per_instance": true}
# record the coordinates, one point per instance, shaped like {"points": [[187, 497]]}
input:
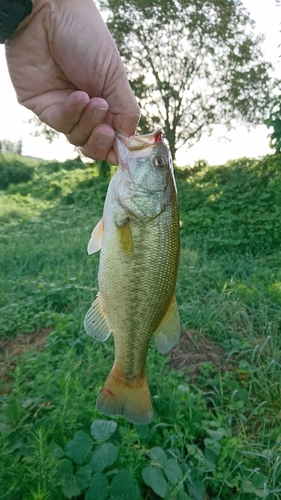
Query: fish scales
{"points": [[137, 275], [147, 290]]}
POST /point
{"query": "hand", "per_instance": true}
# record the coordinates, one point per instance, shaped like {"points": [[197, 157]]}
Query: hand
{"points": [[65, 67]]}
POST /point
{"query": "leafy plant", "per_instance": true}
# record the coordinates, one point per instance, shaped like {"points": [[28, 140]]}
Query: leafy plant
{"points": [[14, 173], [216, 431], [274, 123]]}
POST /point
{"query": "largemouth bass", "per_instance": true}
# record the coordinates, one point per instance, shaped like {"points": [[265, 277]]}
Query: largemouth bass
{"points": [[139, 241]]}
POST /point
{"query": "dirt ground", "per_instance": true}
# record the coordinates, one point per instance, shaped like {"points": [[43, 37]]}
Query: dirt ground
{"points": [[12, 348], [193, 350]]}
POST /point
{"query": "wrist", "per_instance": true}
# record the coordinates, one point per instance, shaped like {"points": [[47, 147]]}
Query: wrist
{"points": [[13, 14]]}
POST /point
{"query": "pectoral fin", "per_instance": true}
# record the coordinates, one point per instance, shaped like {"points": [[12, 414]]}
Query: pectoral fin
{"points": [[125, 238], [168, 332], [95, 322], [95, 242]]}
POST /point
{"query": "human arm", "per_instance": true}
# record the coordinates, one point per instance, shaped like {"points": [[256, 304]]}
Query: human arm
{"points": [[65, 67]]}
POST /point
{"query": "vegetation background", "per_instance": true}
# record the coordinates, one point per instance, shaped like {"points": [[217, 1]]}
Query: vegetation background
{"points": [[216, 432], [217, 397]]}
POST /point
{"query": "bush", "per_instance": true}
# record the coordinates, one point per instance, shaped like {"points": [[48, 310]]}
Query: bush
{"points": [[73, 164], [51, 167], [234, 207], [14, 173]]}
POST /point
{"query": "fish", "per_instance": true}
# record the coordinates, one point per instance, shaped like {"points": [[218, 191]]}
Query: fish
{"points": [[138, 239]]}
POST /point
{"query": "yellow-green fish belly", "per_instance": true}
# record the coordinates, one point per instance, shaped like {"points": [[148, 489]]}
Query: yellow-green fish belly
{"points": [[137, 282]]}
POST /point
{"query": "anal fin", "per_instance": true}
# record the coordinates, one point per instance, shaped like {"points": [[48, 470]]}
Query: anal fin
{"points": [[168, 333], [95, 322]]}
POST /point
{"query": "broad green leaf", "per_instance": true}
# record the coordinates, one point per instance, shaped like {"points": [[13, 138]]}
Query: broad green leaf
{"points": [[173, 472], [211, 457], [101, 430], [154, 478], [216, 435], [104, 455], [176, 493], [196, 490], [215, 446], [70, 488], [124, 487], [258, 486], [57, 451], [79, 447], [158, 456], [64, 474], [249, 487], [99, 489], [83, 476], [65, 469], [260, 480]]}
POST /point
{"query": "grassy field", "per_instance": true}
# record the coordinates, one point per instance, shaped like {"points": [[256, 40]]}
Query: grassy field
{"points": [[217, 428]]}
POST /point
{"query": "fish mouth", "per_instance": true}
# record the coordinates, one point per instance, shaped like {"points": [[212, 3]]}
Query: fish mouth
{"points": [[140, 142]]}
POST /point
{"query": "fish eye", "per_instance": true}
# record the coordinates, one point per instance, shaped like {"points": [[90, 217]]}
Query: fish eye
{"points": [[160, 161]]}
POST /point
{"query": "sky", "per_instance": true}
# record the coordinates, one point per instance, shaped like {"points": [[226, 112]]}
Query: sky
{"points": [[216, 149]]}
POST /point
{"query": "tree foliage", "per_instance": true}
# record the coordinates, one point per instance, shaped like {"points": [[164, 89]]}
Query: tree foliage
{"points": [[191, 63], [274, 120], [274, 123], [13, 147], [41, 129]]}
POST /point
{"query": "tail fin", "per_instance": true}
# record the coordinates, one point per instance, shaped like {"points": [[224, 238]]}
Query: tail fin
{"points": [[130, 399]]}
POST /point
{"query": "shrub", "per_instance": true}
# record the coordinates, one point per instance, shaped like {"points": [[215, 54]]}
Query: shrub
{"points": [[73, 164], [236, 206], [14, 173]]}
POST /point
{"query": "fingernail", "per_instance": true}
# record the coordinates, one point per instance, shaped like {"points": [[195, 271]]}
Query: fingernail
{"points": [[104, 141], [98, 114], [80, 107]]}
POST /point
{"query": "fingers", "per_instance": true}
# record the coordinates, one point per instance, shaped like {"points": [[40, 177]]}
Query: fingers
{"points": [[67, 114], [60, 109], [126, 124], [86, 122], [81, 119], [95, 128], [94, 132], [91, 133], [91, 117], [99, 144]]}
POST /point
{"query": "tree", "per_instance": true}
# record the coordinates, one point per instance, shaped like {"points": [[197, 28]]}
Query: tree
{"points": [[191, 64], [274, 120], [14, 147], [43, 130], [274, 123]]}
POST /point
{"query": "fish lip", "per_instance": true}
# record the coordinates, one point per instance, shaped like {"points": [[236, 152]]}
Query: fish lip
{"points": [[140, 142], [132, 148]]}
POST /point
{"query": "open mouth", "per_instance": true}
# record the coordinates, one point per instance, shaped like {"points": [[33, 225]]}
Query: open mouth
{"points": [[140, 142]]}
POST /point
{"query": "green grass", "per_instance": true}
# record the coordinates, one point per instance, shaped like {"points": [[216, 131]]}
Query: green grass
{"points": [[216, 435]]}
